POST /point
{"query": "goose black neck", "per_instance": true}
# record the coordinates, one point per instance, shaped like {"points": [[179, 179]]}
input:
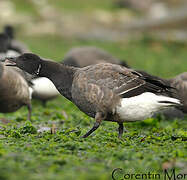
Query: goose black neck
{"points": [[61, 75]]}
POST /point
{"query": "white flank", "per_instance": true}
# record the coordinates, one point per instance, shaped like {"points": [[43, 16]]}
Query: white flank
{"points": [[44, 88], [143, 106]]}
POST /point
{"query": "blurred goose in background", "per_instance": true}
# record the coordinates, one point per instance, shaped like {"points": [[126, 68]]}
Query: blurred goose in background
{"points": [[15, 45], [4, 41], [85, 56], [43, 88], [4, 45], [104, 91], [6, 52], [14, 91], [180, 83]]}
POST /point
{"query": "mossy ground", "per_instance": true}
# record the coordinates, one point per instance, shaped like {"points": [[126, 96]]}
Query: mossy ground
{"points": [[64, 155], [24, 153]]}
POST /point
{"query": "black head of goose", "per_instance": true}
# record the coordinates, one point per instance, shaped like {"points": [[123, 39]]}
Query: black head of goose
{"points": [[103, 91], [14, 91], [88, 55]]}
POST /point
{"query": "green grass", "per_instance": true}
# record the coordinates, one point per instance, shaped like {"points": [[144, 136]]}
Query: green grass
{"points": [[24, 153]]}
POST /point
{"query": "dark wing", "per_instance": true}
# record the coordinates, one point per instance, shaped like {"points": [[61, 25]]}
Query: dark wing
{"points": [[123, 81], [152, 84]]}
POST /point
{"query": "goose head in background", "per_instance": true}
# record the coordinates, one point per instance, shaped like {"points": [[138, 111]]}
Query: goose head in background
{"points": [[15, 45], [4, 47], [4, 44], [9, 31]]}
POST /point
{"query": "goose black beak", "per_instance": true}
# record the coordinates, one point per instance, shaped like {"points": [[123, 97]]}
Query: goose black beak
{"points": [[10, 62]]}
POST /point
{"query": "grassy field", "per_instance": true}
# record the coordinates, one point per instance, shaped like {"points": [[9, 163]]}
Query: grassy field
{"points": [[24, 153], [148, 146]]}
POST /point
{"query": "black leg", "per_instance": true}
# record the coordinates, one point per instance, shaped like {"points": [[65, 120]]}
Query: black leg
{"points": [[99, 117], [96, 125], [120, 130], [29, 106]]}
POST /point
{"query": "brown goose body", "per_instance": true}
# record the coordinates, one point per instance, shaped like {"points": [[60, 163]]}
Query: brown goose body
{"points": [[101, 87], [180, 83], [104, 91], [85, 56], [88, 55], [14, 90]]}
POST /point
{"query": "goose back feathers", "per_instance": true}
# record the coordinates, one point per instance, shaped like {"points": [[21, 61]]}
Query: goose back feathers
{"points": [[14, 90], [88, 55]]}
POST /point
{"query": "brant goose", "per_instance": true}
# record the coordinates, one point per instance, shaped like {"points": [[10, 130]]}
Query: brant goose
{"points": [[5, 52], [42, 88], [103, 91], [14, 91], [4, 47], [15, 45], [85, 56]]}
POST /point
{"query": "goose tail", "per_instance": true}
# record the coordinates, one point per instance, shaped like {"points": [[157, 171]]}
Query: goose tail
{"points": [[167, 101]]}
